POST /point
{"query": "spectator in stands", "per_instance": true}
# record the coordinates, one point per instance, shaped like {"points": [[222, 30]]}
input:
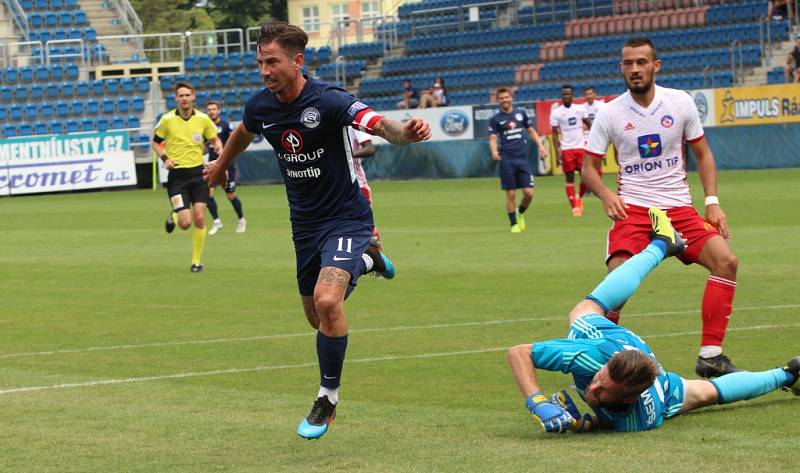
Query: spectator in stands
{"points": [[435, 96], [410, 96], [792, 71], [780, 9]]}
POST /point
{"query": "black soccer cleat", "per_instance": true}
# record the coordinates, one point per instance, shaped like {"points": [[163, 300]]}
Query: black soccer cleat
{"points": [[715, 366], [663, 230], [381, 264], [793, 367], [318, 420], [169, 225], [196, 268]]}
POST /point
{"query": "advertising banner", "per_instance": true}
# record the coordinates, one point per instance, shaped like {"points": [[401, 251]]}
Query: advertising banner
{"points": [[447, 123], [762, 105], [54, 163], [706, 106], [481, 114]]}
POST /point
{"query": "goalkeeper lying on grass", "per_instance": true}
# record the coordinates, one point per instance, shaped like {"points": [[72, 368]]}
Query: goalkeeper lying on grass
{"points": [[614, 370]]}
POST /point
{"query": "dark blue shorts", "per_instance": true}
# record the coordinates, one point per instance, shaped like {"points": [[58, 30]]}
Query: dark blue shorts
{"points": [[339, 245], [515, 174], [230, 185]]}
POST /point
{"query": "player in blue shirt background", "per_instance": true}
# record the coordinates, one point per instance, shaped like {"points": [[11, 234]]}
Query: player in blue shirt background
{"points": [[306, 123], [224, 132], [509, 127], [614, 370]]}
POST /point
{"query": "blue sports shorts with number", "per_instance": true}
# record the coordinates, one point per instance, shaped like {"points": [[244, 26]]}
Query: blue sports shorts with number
{"points": [[339, 244], [515, 174], [591, 343]]}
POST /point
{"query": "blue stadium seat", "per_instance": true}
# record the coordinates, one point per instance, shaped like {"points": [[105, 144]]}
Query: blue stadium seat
{"points": [[123, 104], [79, 17], [3, 113], [82, 89], [97, 87], [103, 124], [56, 127], [31, 112], [107, 106], [20, 93], [117, 123], [42, 73], [36, 91], [142, 85], [170, 102], [67, 90], [62, 109], [41, 4], [204, 62], [72, 126], [219, 61], [65, 18], [133, 122], [111, 86], [40, 128], [51, 90], [57, 4], [92, 107], [88, 124], [27, 5], [25, 129], [46, 110], [56, 72], [189, 63], [6, 93], [36, 20], [59, 34], [70, 4], [10, 130], [240, 78], [77, 107], [127, 85], [10, 75], [89, 34], [15, 112], [50, 19]]}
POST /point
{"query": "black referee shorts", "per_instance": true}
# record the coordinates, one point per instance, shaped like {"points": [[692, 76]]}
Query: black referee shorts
{"points": [[185, 186]]}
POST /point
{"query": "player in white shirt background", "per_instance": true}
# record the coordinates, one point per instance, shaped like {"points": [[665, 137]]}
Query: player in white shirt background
{"points": [[363, 148], [566, 122], [591, 107], [648, 126]]}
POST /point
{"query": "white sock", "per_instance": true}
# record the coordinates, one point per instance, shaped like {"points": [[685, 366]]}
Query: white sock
{"points": [[217, 221], [710, 351], [333, 394], [368, 261]]}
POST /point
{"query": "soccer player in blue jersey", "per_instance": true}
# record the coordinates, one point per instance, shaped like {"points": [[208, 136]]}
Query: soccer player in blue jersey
{"points": [[306, 123], [223, 132], [614, 370], [509, 127]]}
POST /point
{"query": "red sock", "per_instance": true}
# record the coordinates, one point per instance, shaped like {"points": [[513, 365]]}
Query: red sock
{"points": [[570, 187], [716, 309], [583, 189]]}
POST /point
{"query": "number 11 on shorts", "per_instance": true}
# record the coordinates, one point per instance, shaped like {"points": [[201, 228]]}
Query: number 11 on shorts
{"points": [[349, 245]]}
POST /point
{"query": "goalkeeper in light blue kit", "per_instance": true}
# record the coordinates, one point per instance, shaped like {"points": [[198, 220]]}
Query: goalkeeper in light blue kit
{"points": [[614, 370]]}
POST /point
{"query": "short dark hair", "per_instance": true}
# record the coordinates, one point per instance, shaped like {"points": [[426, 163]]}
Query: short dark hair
{"points": [[182, 84], [213, 102], [566, 86], [634, 369], [588, 87], [503, 90], [289, 37], [641, 41]]}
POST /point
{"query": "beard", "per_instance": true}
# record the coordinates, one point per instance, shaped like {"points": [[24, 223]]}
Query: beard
{"points": [[641, 89]]}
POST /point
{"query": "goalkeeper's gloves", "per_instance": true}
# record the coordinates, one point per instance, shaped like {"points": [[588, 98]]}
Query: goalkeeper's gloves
{"points": [[554, 418], [581, 423]]}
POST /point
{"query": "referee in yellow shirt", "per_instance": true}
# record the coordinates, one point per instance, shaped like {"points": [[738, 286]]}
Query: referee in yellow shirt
{"points": [[179, 143]]}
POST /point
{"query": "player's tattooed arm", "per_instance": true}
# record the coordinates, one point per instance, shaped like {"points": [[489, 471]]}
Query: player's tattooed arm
{"points": [[415, 129], [331, 276]]}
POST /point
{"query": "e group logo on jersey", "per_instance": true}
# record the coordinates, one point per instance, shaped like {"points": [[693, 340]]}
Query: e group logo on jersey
{"points": [[292, 141], [311, 117], [454, 122], [649, 146]]}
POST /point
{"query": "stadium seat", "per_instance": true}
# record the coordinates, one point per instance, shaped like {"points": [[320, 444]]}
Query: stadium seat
{"points": [[40, 128], [82, 89], [20, 93], [62, 109], [36, 92], [123, 104], [31, 112], [56, 127], [103, 124], [133, 122], [92, 107], [137, 103], [117, 123], [127, 86], [98, 88], [79, 18], [46, 110], [52, 90], [10, 130], [50, 19], [72, 126], [88, 124], [25, 129], [3, 113], [142, 85], [6, 94], [15, 112], [10, 75]]}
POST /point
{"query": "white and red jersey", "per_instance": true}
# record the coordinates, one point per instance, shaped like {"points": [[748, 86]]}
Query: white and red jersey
{"points": [[589, 112], [650, 146], [357, 140], [569, 120]]}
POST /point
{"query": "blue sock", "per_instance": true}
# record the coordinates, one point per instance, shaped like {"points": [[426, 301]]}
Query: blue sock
{"points": [[512, 216], [620, 284], [747, 385], [237, 206], [330, 352], [212, 207]]}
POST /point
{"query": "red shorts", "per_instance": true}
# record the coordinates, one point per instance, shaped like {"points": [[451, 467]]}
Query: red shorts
{"points": [[632, 235], [571, 160], [367, 193]]}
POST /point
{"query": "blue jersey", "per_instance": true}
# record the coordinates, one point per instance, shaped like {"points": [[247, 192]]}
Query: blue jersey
{"points": [[512, 131], [223, 133], [592, 341], [311, 144]]}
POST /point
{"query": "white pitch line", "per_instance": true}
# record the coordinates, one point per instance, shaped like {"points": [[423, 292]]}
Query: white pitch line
{"points": [[365, 330], [103, 382]]}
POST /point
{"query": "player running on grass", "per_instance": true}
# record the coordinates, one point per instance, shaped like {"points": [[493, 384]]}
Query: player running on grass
{"points": [[614, 370], [648, 126], [306, 123]]}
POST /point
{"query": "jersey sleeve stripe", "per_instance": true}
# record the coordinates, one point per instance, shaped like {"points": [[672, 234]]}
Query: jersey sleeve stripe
{"points": [[366, 119], [696, 139]]}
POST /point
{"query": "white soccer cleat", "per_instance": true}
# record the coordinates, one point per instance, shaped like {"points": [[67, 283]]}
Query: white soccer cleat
{"points": [[241, 227], [217, 226]]}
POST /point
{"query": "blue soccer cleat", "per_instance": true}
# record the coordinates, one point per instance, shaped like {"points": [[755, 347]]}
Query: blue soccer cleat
{"points": [[381, 264], [319, 419]]}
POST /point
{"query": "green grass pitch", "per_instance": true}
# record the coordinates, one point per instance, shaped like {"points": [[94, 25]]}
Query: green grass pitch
{"points": [[140, 366]]}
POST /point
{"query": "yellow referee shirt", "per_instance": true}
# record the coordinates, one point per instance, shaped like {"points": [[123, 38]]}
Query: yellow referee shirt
{"points": [[184, 138]]}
